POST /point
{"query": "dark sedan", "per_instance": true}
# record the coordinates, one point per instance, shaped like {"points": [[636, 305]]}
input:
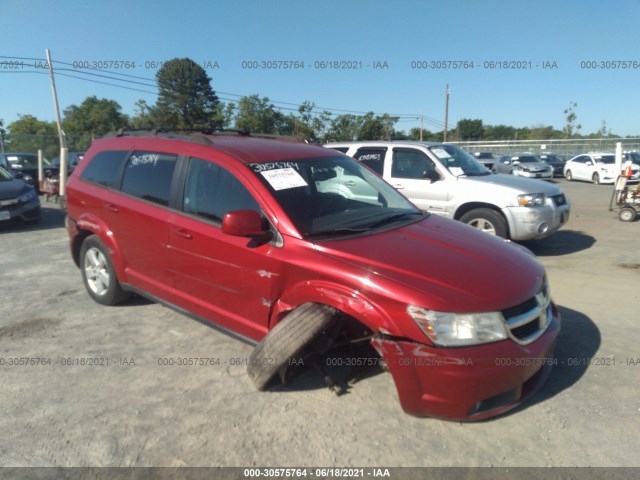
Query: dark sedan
{"points": [[18, 201], [24, 166], [555, 161]]}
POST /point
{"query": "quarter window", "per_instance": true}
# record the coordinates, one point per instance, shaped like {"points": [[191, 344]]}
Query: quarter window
{"points": [[372, 157], [103, 169], [148, 175], [211, 191]]}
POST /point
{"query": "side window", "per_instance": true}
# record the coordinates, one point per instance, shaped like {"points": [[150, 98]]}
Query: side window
{"points": [[104, 167], [372, 157], [148, 175], [211, 191], [408, 163]]}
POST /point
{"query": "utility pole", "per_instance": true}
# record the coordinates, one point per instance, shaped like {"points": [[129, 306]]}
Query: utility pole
{"points": [[446, 111], [421, 123], [64, 152]]}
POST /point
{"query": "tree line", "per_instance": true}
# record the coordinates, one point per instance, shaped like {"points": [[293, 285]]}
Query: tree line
{"points": [[186, 100]]}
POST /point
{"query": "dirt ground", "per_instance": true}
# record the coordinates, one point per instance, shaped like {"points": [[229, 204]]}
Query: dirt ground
{"points": [[132, 410]]}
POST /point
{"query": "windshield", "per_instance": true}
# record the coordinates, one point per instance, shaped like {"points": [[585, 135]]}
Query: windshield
{"points": [[527, 159], [458, 161], [334, 196], [24, 160]]}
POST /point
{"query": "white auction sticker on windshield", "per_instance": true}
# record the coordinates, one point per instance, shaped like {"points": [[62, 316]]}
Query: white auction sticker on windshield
{"points": [[283, 178], [457, 171], [440, 153]]}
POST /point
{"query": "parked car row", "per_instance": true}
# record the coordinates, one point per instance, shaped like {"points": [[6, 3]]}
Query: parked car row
{"points": [[24, 166]]}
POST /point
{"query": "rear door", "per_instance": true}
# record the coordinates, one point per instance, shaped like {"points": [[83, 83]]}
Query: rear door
{"points": [[138, 219]]}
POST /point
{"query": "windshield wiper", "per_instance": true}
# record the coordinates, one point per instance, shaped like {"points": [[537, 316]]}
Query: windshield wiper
{"points": [[393, 218]]}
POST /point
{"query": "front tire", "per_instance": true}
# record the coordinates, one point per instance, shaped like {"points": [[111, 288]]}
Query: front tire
{"points": [[98, 275], [286, 340], [596, 179], [568, 175], [486, 220]]}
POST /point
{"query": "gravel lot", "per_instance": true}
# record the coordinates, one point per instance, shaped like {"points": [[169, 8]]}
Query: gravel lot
{"points": [[136, 412]]}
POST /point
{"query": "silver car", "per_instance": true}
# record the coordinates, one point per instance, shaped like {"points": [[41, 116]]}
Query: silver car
{"points": [[523, 165]]}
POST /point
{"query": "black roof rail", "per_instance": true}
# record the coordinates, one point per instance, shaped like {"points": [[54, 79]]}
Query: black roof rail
{"points": [[196, 135]]}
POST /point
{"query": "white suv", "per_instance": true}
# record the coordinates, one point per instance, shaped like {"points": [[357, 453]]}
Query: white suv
{"points": [[443, 179]]}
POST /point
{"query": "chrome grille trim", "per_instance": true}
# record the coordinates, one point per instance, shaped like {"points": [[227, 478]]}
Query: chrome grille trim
{"points": [[541, 314]]}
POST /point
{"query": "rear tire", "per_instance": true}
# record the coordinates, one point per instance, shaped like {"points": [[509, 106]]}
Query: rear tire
{"points": [[486, 220], [98, 274], [287, 339]]}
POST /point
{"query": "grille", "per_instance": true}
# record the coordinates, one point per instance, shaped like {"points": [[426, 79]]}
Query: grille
{"points": [[527, 321]]}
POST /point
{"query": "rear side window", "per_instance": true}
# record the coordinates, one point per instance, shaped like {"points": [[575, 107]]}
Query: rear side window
{"points": [[211, 191], [372, 157], [104, 168], [148, 175]]}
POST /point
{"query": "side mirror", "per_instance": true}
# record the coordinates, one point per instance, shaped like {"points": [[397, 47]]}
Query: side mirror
{"points": [[244, 223]]}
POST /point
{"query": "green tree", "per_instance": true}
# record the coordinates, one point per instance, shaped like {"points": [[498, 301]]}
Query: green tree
{"points": [[343, 128], [28, 134], [185, 98], [379, 127], [143, 116], [308, 125], [258, 115], [571, 118], [468, 129], [94, 117]]}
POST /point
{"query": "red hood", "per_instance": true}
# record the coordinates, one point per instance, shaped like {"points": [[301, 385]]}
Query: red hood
{"points": [[443, 265]]}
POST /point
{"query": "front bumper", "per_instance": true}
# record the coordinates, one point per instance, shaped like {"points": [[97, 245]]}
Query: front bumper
{"points": [[533, 223], [27, 212], [469, 383], [527, 174]]}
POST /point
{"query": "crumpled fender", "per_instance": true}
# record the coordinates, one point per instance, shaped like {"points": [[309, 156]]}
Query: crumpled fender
{"points": [[338, 296]]}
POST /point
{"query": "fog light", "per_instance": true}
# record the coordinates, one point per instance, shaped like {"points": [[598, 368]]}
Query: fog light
{"points": [[543, 227]]}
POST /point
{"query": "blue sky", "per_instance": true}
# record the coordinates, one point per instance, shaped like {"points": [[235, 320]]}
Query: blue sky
{"points": [[227, 33]]}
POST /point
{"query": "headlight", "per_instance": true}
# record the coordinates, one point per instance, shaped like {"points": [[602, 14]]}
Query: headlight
{"points": [[25, 197], [531, 199], [459, 329]]}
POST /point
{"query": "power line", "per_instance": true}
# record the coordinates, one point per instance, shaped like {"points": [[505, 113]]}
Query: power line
{"points": [[402, 117]]}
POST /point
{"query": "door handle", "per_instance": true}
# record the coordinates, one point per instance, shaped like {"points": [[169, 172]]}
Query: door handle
{"points": [[184, 234], [398, 187], [112, 208], [350, 183]]}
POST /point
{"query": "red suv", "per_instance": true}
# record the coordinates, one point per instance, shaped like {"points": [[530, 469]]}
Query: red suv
{"points": [[301, 250]]}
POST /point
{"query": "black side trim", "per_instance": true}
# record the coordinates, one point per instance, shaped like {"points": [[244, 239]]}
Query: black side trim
{"points": [[130, 288]]}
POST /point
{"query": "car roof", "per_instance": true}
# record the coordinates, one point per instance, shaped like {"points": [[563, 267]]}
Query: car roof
{"points": [[379, 142], [244, 148]]}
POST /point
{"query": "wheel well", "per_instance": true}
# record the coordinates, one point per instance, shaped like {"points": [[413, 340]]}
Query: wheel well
{"points": [[467, 207], [77, 244]]}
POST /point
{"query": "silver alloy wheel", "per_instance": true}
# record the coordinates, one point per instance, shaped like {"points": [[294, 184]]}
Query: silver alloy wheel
{"points": [[95, 268], [483, 225]]}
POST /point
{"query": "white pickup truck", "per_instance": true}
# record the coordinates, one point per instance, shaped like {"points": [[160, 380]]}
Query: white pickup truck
{"points": [[443, 179]]}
